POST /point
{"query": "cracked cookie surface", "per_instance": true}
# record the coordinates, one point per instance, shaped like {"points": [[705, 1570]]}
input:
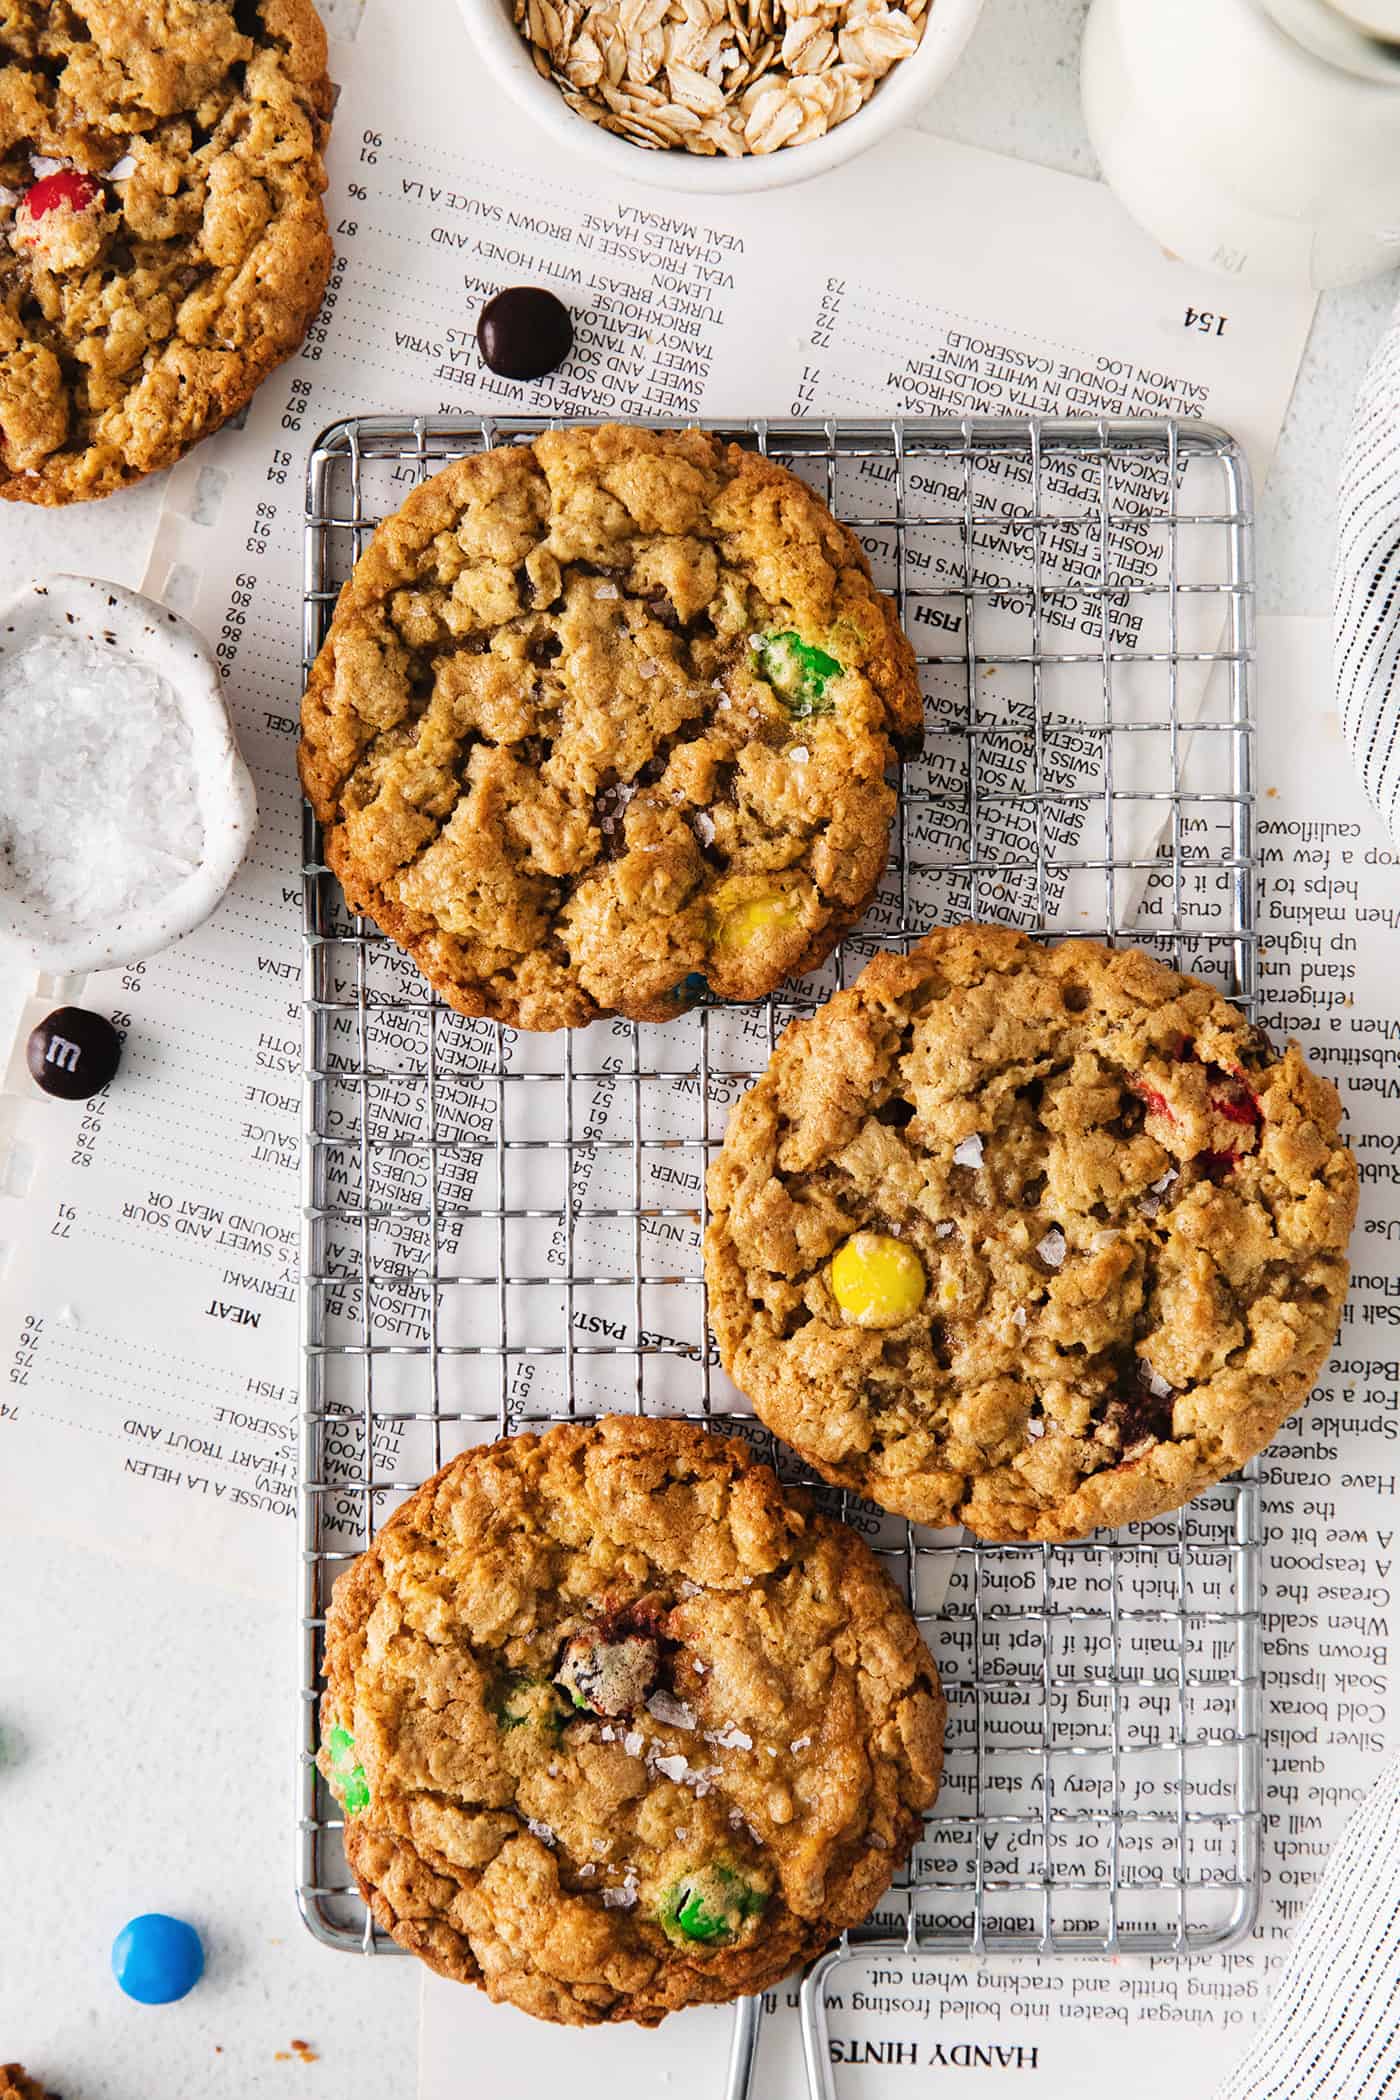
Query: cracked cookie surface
{"points": [[619, 1725], [604, 719], [163, 243], [1031, 1239]]}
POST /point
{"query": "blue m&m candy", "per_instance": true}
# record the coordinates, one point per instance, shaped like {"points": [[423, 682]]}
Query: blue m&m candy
{"points": [[157, 1959]]}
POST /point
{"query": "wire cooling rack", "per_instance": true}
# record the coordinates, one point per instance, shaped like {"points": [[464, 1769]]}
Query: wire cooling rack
{"points": [[503, 1229]]}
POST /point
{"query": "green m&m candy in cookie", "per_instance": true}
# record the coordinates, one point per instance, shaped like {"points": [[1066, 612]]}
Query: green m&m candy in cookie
{"points": [[797, 670], [343, 1771], [710, 1906]]}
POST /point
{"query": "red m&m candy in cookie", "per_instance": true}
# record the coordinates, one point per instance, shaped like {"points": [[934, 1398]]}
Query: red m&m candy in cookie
{"points": [[63, 221]]}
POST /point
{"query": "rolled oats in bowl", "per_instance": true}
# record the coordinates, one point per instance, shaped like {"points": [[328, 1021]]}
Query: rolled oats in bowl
{"points": [[718, 76]]}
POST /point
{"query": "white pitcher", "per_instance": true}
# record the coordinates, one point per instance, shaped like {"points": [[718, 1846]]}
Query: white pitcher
{"points": [[1260, 138]]}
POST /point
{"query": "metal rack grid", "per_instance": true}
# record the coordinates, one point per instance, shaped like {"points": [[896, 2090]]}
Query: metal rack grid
{"points": [[503, 1229]]}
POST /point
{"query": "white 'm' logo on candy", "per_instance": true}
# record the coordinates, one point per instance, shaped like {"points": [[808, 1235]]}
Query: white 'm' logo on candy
{"points": [[62, 1052]]}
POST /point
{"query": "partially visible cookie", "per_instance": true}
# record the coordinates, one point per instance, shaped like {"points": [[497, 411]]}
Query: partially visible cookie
{"points": [[620, 1726], [163, 244], [605, 719], [16, 2084], [1032, 1239]]}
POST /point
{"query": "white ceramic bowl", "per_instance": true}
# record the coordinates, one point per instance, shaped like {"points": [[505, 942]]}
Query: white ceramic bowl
{"points": [[86, 606], [904, 89]]}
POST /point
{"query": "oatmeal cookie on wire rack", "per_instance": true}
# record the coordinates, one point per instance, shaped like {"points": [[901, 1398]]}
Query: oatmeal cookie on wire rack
{"points": [[620, 1725], [1026, 1238], [603, 721]]}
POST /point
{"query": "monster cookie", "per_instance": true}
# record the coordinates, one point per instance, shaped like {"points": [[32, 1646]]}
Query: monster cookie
{"points": [[1031, 1239], [16, 2084], [606, 718], [162, 239], [618, 1725]]}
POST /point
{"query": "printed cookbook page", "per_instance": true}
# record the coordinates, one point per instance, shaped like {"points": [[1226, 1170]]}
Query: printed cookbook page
{"points": [[150, 1324], [1158, 2028]]}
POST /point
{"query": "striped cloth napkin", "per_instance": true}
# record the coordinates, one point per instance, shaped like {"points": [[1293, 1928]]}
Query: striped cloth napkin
{"points": [[1333, 2028], [1366, 625]]}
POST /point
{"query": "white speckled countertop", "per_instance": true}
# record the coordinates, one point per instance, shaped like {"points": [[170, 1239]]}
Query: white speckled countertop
{"points": [[144, 1729]]}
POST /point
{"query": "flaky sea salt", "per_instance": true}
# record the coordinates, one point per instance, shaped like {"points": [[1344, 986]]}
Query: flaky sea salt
{"points": [[625, 1897], [122, 169], [703, 825], [799, 754], [1052, 1249], [1152, 1201], [729, 1737], [674, 1712], [99, 796], [1158, 1386], [540, 1830], [968, 1151]]}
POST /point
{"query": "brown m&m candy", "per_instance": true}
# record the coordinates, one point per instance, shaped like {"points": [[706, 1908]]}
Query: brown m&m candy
{"points": [[524, 332], [73, 1053]]}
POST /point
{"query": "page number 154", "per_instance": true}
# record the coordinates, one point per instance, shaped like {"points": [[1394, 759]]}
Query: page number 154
{"points": [[1205, 324]]}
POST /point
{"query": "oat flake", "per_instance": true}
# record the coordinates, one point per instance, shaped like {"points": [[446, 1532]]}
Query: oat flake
{"points": [[717, 76]]}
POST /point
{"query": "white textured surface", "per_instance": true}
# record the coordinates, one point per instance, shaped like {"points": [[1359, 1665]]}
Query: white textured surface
{"points": [[153, 1726]]}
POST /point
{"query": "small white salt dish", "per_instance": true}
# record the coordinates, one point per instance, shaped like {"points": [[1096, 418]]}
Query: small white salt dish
{"points": [[115, 619]]}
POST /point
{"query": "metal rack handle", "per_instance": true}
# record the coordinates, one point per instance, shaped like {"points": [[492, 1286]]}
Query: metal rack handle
{"points": [[743, 2048]]}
